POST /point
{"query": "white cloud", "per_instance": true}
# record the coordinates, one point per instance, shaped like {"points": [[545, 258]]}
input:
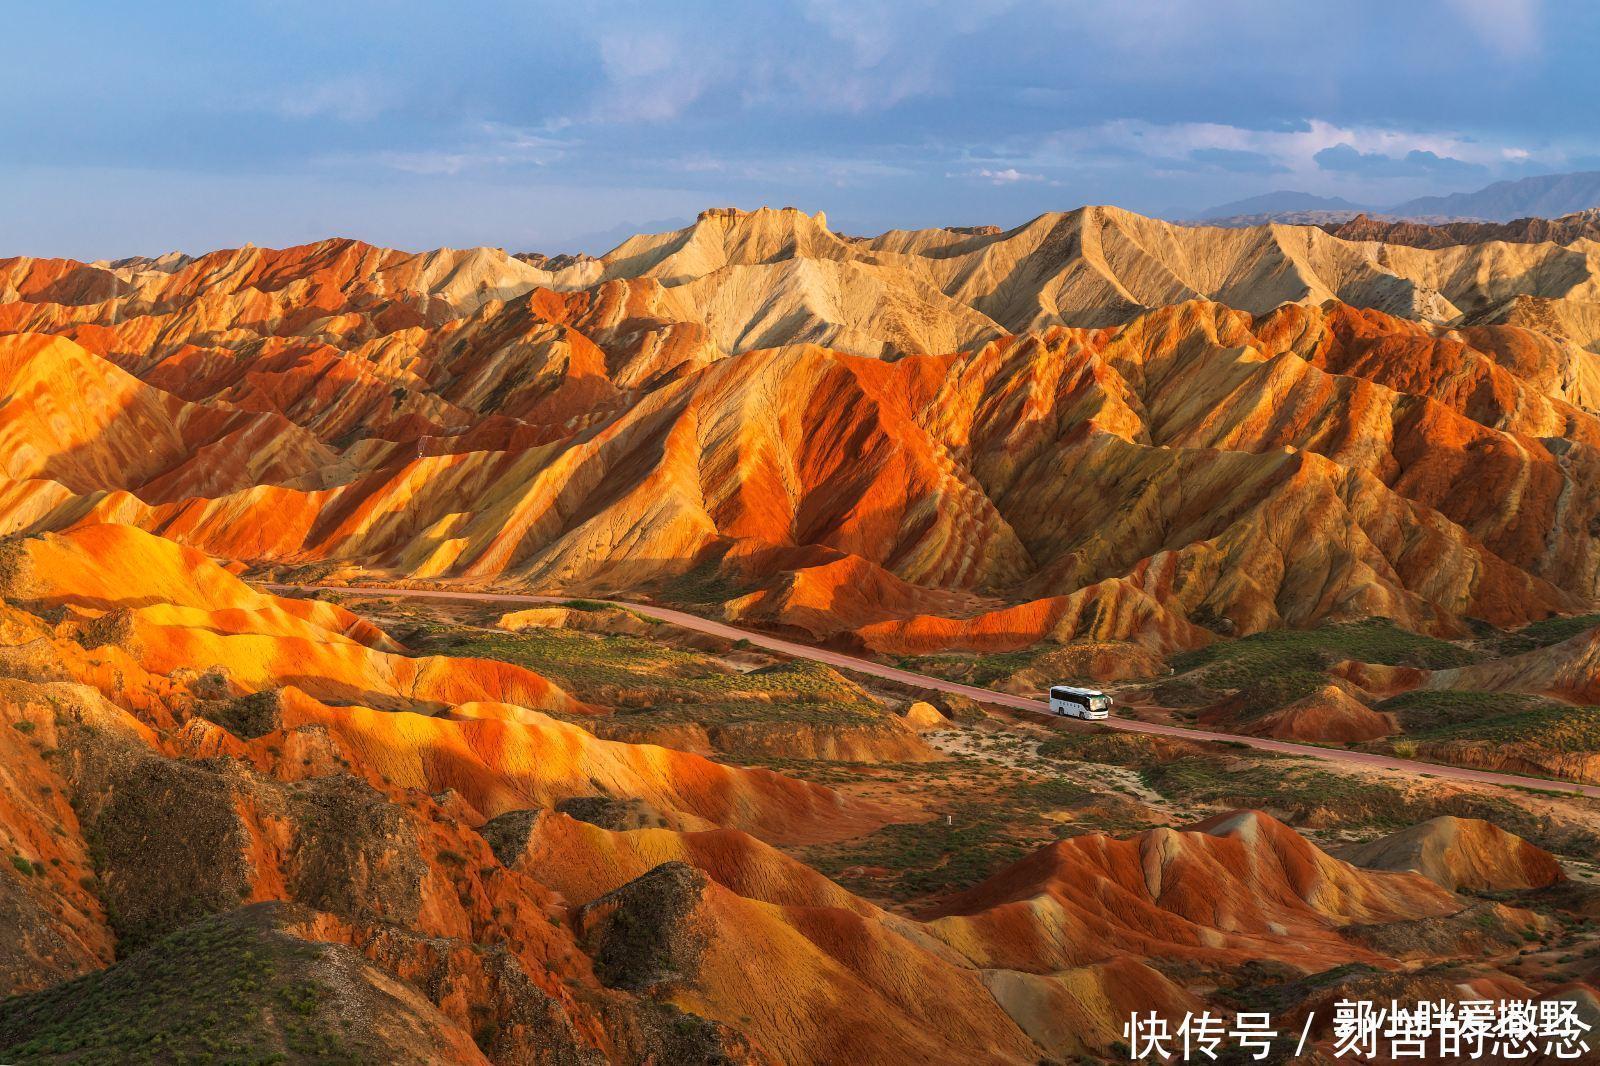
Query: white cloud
{"points": [[1509, 27], [1295, 149], [487, 145], [1008, 176], [650, 75], [836, 56], [891, 50], [786, 169]]}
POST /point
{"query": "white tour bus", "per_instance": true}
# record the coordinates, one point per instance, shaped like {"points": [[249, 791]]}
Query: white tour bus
{"points": [[1079, 702]]}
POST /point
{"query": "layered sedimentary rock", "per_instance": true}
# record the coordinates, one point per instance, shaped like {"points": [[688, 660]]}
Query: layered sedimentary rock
{"points": [[1581, 225], [452, 873], [1094, 425], [1458, 853], [1224, 889], [1092, 428], [1569, 670]]}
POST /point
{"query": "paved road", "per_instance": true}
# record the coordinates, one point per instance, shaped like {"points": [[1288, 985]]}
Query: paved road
{"points": [[1003, 699]]}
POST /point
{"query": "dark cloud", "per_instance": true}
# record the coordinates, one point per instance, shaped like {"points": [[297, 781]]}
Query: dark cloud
{"points": [[1345, 159]]}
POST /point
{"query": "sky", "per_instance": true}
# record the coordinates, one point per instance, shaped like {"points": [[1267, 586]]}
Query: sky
{"points": [[533, 126]]}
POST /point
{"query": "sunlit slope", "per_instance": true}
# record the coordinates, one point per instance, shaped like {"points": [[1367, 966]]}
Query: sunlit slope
{"points": [[1092, 425]]}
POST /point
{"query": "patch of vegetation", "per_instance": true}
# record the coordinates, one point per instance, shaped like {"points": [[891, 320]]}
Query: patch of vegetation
{"points": [[1427, 709], [679, 685], [1262, 656], [309, 573], [218, 991], [974, 669], [1074, 661], [250, 716], [13, 560], [1266, 694], [114, 627], [1288, 791], [1549, 726], [588, 605], [169, 847], [1549, 631], [1296, 793], [928, 859], [705, 584], [1275, 988], [1185, 692], [213, 684], [648, 938], [1114, 748]]}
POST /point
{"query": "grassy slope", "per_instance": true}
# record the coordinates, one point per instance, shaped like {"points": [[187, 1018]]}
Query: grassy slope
{"points": [[222, 990], [682, 685]]}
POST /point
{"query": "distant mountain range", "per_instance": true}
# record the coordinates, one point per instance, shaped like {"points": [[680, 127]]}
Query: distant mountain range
{"points": [[1284, 203], [1546, 196]]}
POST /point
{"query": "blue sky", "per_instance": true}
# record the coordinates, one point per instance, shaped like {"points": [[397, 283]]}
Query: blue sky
{"points": [[557, 127]]}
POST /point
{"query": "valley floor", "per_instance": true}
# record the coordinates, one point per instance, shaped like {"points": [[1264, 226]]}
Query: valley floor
{"points": [[248, 827]]}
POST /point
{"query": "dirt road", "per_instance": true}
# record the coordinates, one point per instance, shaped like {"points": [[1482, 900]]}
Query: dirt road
{"points": [[1021, 703]]}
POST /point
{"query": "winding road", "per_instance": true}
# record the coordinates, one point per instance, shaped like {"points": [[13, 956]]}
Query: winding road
{"points": [[1021, 703]]}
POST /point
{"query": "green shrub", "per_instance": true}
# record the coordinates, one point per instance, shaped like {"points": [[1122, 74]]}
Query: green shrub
{"points": [[1234, 664], [115, 627], [1555, 630], [13, 566], [1427, 709], [586, 605]]}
